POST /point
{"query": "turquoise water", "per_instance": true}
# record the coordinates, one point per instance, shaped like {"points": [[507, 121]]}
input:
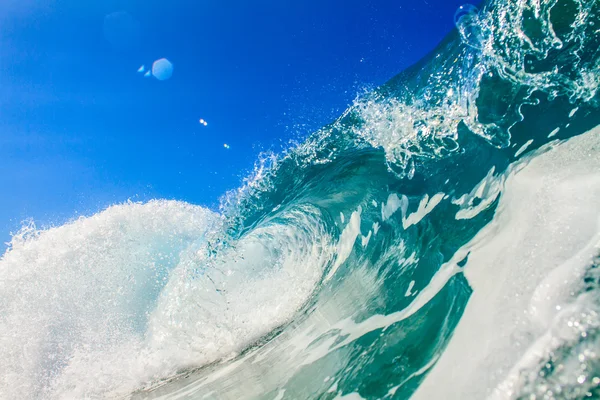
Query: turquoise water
{"points": [[439, 240]]}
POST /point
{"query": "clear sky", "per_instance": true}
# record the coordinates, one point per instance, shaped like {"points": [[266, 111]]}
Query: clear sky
{"points": [[81, 129]]}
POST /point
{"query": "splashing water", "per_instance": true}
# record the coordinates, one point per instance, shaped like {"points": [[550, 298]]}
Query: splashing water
{"points": [[441, 239], [469, 25]]}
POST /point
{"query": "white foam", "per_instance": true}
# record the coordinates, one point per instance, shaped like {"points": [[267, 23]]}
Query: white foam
{"points": [[280, 395], [86, 286], [346, 242], [425, 207], [487, 191], [524, 148], [366, 239], [522, 269], [375, 227], [395, 203], [333, 388], [349, 396], [553, 133], [573, 111], [107, 304]]}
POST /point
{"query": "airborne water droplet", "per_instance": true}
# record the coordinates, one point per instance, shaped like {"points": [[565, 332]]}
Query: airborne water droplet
{"points": [[467, 21]]}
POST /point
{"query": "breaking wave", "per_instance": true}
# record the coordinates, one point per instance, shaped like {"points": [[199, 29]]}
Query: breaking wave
{"points": [[441, 239]]}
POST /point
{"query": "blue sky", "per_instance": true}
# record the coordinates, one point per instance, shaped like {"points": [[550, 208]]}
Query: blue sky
{"points": [[80, 129]]}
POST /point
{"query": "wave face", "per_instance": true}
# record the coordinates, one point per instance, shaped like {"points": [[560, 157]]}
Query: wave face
{"points": [[441, 239]]}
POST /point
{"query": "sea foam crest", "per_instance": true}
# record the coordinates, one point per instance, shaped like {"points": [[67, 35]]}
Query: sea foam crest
{"points": [[108, 304]]}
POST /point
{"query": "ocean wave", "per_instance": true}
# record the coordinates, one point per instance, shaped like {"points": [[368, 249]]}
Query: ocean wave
{"points": [[440, 239]]}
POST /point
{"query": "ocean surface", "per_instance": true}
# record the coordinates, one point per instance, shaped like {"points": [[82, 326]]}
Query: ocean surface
{"points": [[440, 240]]}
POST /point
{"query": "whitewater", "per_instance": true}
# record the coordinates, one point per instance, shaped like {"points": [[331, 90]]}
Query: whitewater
{"points": [[441, 239]]}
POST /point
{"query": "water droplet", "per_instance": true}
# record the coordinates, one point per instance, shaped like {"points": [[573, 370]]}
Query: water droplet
{"points": [[464, 10], [226, 145], [466, 19], [162, 69]]}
